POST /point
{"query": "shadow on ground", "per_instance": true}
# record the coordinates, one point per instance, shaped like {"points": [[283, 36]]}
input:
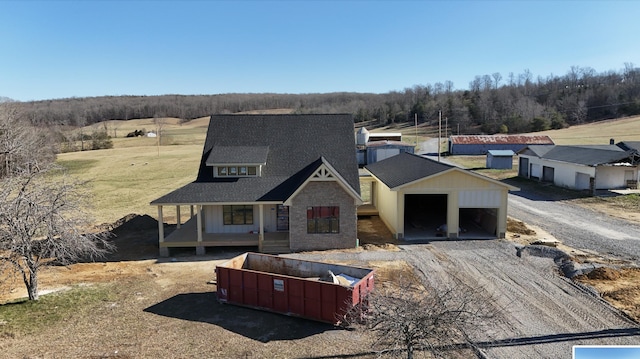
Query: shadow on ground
{"points": [[250, 323]]}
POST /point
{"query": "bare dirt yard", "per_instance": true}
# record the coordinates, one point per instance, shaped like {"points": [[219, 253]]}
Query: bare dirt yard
{"points": [[167, 307]]}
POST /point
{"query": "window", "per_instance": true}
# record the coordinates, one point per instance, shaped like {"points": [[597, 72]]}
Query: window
{"points": [[323, 219], [237, 214], [236, 171]]}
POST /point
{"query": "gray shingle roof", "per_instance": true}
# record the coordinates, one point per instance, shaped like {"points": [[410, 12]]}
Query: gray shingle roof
{"points": [[238, 155], [296, 145], [589, 155], [405, 168]]}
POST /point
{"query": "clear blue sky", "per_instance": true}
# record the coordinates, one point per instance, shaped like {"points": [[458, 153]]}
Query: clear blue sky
{"points": [[612, 352], [59, 49]]}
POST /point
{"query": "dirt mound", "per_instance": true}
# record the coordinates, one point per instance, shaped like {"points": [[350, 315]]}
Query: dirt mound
{"points": [[604, 273], [134, 222], [515, 226]]}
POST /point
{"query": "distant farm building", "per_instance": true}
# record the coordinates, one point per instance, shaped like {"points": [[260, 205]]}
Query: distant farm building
{"points": [[374, 147], [481, 144], [500, 159]]}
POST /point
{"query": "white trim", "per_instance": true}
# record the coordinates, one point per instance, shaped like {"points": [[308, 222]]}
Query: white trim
{"points": [[326, 173]]}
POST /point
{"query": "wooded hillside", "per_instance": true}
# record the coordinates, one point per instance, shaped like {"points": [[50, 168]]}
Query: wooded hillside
{"points": [[516, 103]]}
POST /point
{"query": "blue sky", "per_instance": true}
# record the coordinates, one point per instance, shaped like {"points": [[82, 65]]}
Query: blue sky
{"points": [[611, 352], [59, 49]]}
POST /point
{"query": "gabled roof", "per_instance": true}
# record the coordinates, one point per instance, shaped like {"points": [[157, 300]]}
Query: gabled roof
{"points": [[406, 168], [589, 155], [501, 139], [297, 146]]}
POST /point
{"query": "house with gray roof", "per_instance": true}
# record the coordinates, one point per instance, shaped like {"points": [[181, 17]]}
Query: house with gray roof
{"points": [[419, 198], [588, 167], [278, 182]]}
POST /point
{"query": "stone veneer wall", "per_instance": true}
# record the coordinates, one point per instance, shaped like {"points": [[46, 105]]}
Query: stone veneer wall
{"points": [[322, 194]]}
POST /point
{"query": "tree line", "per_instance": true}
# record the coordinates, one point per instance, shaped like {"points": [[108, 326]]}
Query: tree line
{"points": [[515, 103]]}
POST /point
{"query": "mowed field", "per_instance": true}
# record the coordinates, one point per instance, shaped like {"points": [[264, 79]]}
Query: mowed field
{"points": [[137, 170]]}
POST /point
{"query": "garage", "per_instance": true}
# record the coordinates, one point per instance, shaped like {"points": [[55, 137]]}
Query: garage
{"points": [[417, 196], [478, 223], [423, 214]]}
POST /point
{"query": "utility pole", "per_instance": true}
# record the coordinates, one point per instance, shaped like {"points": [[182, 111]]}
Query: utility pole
{"points": [[415, 120], [439, 132]]}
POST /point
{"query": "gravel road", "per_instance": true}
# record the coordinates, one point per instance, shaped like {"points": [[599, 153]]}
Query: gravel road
{"points": [[545, 314], [577, 227]]}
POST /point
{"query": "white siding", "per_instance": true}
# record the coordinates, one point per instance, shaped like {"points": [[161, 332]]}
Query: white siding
{"points": [[214, 224], [479, 199], [608, 177]]}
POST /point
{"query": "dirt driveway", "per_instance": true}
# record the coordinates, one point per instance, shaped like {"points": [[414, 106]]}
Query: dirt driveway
{"points": [[167, 308]]}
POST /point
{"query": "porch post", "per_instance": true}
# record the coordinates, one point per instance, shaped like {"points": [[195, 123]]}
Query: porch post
{"points": [[178, 216], [164, 251], [261, 235], [191, 208], [199, 248]]}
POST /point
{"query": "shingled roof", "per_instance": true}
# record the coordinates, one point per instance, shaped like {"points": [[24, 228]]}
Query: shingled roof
{"points": [[292, 146], [405, 168], [588, 155]]}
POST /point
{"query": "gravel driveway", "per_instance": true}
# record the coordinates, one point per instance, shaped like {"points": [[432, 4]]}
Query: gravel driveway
{"points": [[545, 314], [575, 226]]}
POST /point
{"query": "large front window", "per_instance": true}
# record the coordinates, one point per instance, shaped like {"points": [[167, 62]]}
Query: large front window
{"points": [[323, 219], [237, 214]]}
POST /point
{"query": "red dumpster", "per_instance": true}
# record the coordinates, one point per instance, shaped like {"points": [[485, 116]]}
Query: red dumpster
{"points": [[307, 289]]}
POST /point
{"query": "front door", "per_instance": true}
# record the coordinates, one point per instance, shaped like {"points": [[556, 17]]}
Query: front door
{"points": [[283, 218]]}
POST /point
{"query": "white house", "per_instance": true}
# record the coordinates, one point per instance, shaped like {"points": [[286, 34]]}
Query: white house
{"points": [[592, 168]]}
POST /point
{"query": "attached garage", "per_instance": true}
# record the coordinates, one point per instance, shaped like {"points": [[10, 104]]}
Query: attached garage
{"points": [[419, 198]]}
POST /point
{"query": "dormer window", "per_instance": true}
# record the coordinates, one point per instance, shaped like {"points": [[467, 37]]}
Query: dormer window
{"points": [[236, 171], [238, 161]]}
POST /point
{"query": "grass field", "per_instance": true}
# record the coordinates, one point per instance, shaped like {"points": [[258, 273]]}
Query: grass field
{"points": [[136, 171]]}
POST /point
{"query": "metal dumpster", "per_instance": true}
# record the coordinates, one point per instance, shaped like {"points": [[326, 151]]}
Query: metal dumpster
{"points": [[293, 287]]}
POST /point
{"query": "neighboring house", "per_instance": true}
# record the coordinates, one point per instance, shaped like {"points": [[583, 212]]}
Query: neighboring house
{"points": [[374, 147], [419, 198], [499, 159], [480, 144], [594, 167], [280, 182]]}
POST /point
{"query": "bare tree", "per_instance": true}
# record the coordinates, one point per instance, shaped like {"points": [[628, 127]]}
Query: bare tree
{"points": [[43, 222], [407, 317], [22, 146]]}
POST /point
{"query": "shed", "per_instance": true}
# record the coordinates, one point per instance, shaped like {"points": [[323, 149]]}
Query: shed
{"points": [[500, 159]]}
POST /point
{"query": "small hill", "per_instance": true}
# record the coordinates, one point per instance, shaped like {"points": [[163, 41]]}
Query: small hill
{"points": [[597, 133]]}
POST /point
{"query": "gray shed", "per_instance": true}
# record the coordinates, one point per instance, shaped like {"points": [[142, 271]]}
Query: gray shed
{"points": [[500, 159]]}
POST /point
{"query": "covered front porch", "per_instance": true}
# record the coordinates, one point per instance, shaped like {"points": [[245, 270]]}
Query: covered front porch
{"points": [[191, 234]]}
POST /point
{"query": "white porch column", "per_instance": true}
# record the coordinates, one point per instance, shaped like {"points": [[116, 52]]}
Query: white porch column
{"points": [[261, 235], [164, 251], [160, 225], [178, 217], [199, 248]]}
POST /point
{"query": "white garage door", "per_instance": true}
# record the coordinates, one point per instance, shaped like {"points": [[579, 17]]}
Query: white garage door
{"points": [[479, 199]]}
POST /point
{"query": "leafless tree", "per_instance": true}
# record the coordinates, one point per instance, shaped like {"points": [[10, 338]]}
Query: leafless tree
{"points": [[43, 222], [22, 146], [407, 317]]}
